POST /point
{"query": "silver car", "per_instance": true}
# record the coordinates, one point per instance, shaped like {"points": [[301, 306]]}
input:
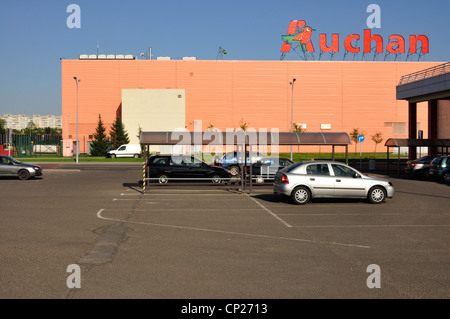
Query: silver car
{"points": [[320, 179], [12, 167]]}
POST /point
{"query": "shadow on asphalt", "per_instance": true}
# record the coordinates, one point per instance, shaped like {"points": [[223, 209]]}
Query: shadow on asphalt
{"points": [[137, 187], [272, 198]]}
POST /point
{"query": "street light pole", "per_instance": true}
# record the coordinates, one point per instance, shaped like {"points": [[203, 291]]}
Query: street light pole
{"points": [[292, 109], [78, 148]]}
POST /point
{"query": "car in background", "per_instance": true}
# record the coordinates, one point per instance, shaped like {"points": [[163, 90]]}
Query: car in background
{"points": [[267, 169], [12, 167], [233, 160], [440, 168], [419, 167], [126, 150], [329, 179], [164, 168]]}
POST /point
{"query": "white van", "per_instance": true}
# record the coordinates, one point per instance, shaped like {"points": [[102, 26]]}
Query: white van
{"points": [[126, 150]]}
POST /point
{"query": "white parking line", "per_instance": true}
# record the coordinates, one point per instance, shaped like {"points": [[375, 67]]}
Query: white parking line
{"points": [[366, 226], [99, 215], [270, 212]]}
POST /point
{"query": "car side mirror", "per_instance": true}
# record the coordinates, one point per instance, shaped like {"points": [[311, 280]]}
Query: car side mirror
{"points": [[357, 176]]}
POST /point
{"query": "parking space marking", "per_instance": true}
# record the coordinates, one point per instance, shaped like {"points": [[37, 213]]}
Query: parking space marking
{"points": [[366, 226], [99, 215], [270, 212]]}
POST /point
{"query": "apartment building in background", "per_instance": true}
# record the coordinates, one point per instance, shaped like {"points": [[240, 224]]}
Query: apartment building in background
{"points": [[21, 121]]}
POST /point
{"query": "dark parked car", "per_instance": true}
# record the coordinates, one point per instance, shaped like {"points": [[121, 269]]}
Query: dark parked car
{"points": [[232, 160], [419, 167], [440, 168], [269, 167], [163, 168], [12, 167]]}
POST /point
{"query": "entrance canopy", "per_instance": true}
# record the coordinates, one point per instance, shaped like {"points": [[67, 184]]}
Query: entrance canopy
{"points": [[410, 142], [413, 143], [247, 138]]}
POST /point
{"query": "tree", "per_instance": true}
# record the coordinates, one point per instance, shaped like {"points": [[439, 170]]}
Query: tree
{"points": [[298, 128], [354, 136], [118, 134], [30, 129], [2, 126], [100, 141], [377, 138], [243, 126]]}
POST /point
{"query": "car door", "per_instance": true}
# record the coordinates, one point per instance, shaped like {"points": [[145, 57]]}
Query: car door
{"points": [[196, 168], [160, 165], [347, 182], [179, 167], [7, 167], [319, 179]]}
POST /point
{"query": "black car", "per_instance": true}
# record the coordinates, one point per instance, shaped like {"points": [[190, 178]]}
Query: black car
{"points": [[419, 167], [164, 168], [440, 168]]}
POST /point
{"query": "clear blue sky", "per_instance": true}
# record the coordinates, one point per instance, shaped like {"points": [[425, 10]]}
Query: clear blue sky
{"points": [[34, 35]]}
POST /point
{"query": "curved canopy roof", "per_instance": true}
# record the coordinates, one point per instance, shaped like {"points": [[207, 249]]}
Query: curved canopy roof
{"points": [[405, 142], [249, 138]]}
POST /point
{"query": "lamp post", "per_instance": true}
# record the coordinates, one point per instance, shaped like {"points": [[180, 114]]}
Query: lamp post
{"points": [[78, 148], [292, 109]]}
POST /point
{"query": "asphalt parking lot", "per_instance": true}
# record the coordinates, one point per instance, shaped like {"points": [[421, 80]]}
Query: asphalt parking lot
{"points": [[206, 242]]}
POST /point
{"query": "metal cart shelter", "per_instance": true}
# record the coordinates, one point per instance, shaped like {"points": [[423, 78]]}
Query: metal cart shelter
{"points": [[243, 142]]}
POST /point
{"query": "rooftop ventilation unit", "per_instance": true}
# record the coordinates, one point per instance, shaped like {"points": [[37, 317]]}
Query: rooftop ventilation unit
{"points": [[107, 57]]}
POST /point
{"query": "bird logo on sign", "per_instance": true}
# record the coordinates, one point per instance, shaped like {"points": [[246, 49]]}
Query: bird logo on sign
{"points": [[302, 37]]}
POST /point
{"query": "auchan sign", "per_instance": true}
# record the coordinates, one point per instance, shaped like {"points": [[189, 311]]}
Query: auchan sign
{"points": [[300, 33]]}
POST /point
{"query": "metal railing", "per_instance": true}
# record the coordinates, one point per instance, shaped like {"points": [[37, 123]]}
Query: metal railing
{"points": [[425, 74]]}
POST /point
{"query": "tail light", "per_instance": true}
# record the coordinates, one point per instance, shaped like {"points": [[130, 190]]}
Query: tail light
{"points": [[284, 179]]}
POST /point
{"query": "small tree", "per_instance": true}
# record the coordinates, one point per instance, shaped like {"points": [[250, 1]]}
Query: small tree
{"points": [[377, 138], [2, 126], [118, 134], [298, 128], [243, 126], [211, 128], [100, 141], [354, 137]]}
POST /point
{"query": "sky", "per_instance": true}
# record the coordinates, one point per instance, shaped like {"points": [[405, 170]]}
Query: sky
{"points": [[35, 35]]}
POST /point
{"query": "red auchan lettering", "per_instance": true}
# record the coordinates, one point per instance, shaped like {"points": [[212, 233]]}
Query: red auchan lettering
{"points": [[396, 43]]}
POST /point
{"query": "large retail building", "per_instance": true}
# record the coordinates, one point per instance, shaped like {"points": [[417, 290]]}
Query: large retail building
{"points": [[165, 94]]}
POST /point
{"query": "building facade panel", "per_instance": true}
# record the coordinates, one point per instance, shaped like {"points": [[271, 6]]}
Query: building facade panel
{"points": [[225, 94]]}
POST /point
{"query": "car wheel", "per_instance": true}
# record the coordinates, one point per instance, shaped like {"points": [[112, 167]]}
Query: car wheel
{"points": [[301, 195], [113, 155], [377, 195], [163, 179], [216, 179], [136, 156], [446, 177], [234, 170], [426, 174], [24, 174]]}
